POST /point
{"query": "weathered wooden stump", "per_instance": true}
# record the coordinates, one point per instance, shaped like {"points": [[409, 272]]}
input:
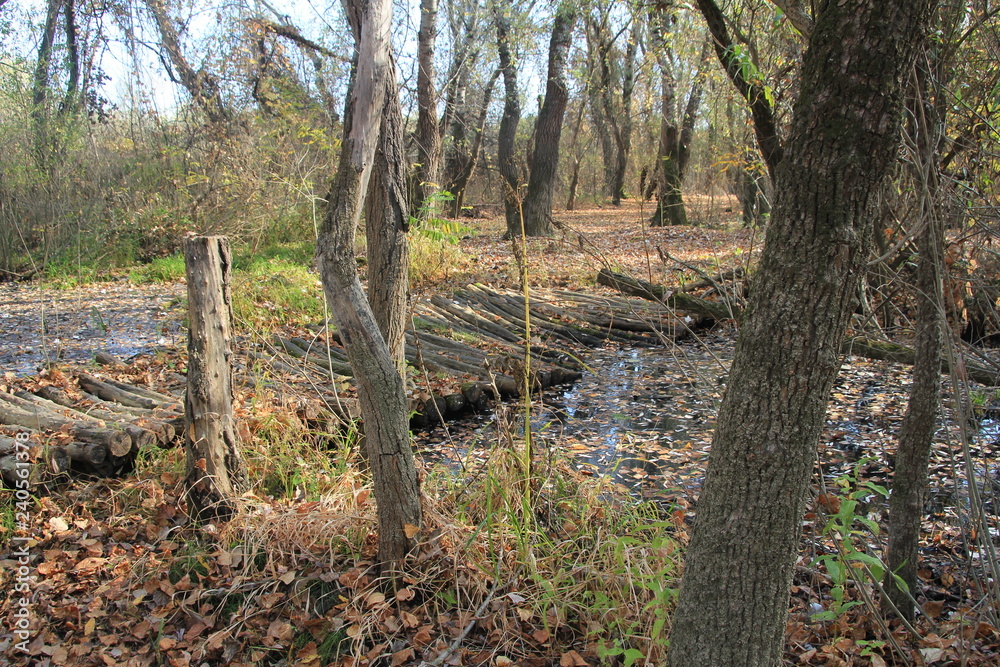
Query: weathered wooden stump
{"points": [[215, 472]]}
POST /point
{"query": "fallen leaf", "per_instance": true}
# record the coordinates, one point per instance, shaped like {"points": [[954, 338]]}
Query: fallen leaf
{"points": [[572, 659], [402, 657]]}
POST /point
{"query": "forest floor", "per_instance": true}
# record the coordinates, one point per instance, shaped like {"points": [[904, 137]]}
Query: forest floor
{"points": [[587, 576]]}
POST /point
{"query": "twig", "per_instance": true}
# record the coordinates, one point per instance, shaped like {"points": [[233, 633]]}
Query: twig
{"points": [[438, 661]]}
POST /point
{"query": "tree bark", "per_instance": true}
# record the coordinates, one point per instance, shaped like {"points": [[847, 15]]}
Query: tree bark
{"points": [[215, 472], [909, 479], [428, 136], [507, 163], [380, 386], [612, 113], [387, 211], [465, 157], [548, 129], [574, 178], [734, 592]]}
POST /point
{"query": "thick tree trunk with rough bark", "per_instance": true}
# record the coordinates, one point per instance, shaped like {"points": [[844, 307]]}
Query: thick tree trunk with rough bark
{"points": [[215, 473], [428, 136], [388, 249], [507, 163], [548, 129], [380, 386], [734, 592]]}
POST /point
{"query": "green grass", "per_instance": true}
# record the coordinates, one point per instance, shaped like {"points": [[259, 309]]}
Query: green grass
{"points": [[161, 270], [270, 292]]}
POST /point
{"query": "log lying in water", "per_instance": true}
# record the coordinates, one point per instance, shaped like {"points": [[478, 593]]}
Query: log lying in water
{"points": [[675, 299], [860, 346]]}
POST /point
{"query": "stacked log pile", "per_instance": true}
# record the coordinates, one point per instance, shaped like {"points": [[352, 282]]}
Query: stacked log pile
{"points": [[476, 336], [98, 429]]}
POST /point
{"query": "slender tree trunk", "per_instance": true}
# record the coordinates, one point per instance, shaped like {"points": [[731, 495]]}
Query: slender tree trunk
{"points": [[215, 473], [380, 386], [71, 100], [734, 593], [675, 144], [574, 178], [468, 159], [40, 85], [909, 479], [508, 125], [761, 109], [201, 85], [548, 129], [428, 136], [621, 126]]}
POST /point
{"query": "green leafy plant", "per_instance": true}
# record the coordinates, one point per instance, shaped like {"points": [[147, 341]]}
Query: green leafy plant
{"points": [[850, 530]]}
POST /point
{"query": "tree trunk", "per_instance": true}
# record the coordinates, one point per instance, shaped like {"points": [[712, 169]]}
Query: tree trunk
{"points": [[201, 85], [675, 142], [466, 157], [574, 178], [909, 479], [428, 137], [215, 473], [734, 592], [755, 94], [612, 114], [380, 386], [507, 133], [40, 85], [385, 231], [71, 99], [548, 129]]}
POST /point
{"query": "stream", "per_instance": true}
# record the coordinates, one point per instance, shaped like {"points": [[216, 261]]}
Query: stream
{"points": [[646, 417]]}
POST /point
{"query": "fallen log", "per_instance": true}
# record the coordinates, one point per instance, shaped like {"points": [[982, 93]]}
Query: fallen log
{"points": [[140, 437], [109, 392], [168, 419], [165, 401], [164, 432], [107, 359], [17, 474], [117, 441], [901, 354], [678, 300]]}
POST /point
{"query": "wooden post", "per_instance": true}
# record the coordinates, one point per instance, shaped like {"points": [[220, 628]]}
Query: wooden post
{"points": [[215, 472]]}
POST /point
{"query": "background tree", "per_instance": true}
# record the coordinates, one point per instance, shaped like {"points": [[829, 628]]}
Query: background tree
{"points": [[463, 123], [674, 148], [734, 591], [548, 129], [613, 69], [428, 137], [201, 84], [925, 138], [506, 159], [745, 75]]}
